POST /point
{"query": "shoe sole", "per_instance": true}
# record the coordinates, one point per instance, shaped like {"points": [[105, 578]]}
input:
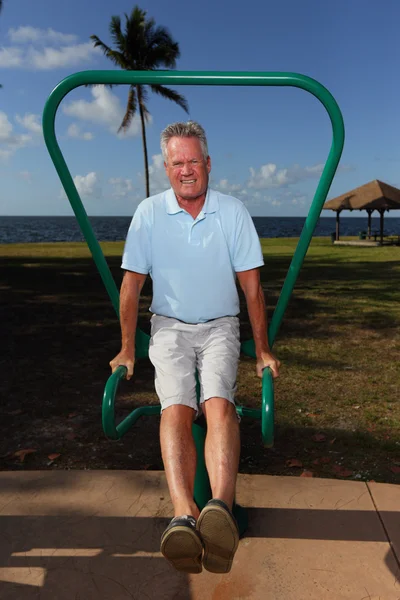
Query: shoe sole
{"points": [[182, 547], [220, 538]]}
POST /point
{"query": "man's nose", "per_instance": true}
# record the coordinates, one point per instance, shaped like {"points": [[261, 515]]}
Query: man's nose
{"points": [[187, 168]]}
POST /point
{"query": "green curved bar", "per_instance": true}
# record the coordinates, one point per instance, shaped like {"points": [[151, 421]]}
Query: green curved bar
{"points": [[197, 78], [266, 414], [267, 408], [112, 431]]}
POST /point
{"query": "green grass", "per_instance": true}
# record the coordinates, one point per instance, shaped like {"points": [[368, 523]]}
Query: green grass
{"points": [[339, 345]]}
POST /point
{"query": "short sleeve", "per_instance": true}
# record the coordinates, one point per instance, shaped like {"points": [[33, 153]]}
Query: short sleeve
{"points": [[247, 253], [137, 250]]}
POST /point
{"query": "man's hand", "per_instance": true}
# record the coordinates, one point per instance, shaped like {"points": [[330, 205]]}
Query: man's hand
{"points": [[267, 359], [125, 359]]}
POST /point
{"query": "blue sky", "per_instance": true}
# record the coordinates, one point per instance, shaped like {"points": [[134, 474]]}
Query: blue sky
{"points": [[267, 145]]}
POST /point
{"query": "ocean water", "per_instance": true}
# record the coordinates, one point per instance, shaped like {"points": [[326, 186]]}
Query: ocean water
{"points": [[66, 229]]}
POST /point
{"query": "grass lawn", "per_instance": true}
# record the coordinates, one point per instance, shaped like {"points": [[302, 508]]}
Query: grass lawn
{"points": [[337, 400]]}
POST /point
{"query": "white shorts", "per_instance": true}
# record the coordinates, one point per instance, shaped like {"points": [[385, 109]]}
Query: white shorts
{"points": [[178, 349]]}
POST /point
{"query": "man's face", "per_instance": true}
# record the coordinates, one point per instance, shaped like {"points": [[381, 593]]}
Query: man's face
{"points": [[186, 169]]}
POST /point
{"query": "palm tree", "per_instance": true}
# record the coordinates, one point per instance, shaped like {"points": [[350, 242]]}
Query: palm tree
{"points": [[143, 46]]}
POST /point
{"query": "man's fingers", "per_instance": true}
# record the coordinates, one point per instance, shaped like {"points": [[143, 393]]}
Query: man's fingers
{"points": [[128, 364], [275, 370], [274, 366]]}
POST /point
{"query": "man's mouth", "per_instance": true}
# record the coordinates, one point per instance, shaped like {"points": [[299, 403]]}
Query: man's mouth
{"points": [[188, 181]]}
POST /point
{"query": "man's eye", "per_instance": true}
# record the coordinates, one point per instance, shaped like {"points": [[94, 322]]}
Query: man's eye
{"points": [[194, 162]]}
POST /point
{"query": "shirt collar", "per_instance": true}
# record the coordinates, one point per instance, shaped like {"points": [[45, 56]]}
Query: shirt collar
{"points": [[211, 204]]}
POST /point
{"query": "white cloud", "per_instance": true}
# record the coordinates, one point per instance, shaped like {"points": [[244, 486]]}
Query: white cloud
{"points": [[27, 33], [5, 127], [10, 141], [122, 187], [87, 185], [158, 178], [227, 188], [269, 176], [30, 122], [11, 57], [299, 200], [105, 109], [41, 49], [75, 132], [26, 176], [54, 58], [5, 154]]}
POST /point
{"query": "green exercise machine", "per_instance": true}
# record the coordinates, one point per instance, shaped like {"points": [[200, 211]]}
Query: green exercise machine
{"points": [[202, 490]]}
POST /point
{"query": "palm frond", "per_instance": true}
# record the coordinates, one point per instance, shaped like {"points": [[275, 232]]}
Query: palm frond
{"points": [[143, 97], [116, 34], [162, 50], [117, 57], [171, 95], [131, 108], [134, 26], [99, 44]]}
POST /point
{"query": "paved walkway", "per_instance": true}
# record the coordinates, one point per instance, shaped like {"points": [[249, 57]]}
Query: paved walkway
{"points": [[94, 535]]}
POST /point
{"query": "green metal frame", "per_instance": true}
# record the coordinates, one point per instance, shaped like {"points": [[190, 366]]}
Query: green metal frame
{"points": [[209, 78]]}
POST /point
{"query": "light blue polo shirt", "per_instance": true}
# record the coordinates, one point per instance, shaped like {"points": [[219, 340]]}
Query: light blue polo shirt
{"points": [[192, 262]]}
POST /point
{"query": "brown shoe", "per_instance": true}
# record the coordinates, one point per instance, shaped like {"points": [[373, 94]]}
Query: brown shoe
{"points": [[181, 545], [220, 534]]}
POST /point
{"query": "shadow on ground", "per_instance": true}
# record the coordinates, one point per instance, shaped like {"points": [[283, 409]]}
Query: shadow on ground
{"points": [[59, 332], [83, 556]]}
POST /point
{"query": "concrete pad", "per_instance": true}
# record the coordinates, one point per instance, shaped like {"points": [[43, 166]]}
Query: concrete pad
{"points": [[387, 501], [94, 535]]}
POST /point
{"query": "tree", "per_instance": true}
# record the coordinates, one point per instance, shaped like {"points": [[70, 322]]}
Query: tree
{"points": [[143, 46]]}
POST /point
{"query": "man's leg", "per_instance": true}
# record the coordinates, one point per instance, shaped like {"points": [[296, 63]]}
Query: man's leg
{"points": [[217, 365], [174, 363], [179, 457], [222, 448], [180, 543], [216, 524]]}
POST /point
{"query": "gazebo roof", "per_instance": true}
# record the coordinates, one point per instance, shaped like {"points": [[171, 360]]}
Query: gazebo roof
{"points": [[374, 195]]}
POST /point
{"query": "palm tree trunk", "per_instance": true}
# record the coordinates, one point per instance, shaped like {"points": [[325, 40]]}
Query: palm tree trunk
{"points": [[146, 160]]}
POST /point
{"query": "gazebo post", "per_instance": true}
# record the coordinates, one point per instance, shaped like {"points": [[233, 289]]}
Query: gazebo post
{"points": [[338, 224], [381, 212], [369, 211]]}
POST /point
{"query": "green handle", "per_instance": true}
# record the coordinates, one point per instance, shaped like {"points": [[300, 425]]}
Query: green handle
{"points": [[267, 408], [113, 431], [266, 414]]}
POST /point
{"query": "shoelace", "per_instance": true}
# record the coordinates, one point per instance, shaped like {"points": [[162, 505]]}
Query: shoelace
{"points": [[189, 518]]}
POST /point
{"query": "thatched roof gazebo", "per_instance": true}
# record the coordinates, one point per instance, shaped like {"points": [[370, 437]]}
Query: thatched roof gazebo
{"points": [[374, 195]]}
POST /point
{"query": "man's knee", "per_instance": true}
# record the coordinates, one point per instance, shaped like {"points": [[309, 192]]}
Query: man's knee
{"points": [[217, 409], [179, 414]]}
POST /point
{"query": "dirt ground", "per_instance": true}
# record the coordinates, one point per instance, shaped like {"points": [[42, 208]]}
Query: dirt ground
{"points": [[59, 332]]}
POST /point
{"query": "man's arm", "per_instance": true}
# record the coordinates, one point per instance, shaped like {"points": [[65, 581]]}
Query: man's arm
{"points": [[131, 287], [251, 286]]}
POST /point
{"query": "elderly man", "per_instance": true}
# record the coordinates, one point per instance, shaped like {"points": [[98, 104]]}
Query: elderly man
{"points": [[194, 242]]}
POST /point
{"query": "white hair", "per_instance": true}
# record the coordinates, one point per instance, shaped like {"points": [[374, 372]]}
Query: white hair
{"points": [[189, 129]]}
